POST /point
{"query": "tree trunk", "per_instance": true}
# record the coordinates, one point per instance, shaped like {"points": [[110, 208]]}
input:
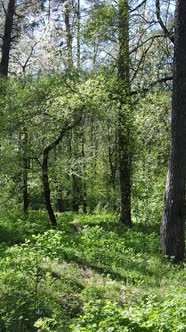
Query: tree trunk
{"points": [[25, 172], [46, 188], [76, 193], [68, 36], [45, 179], [78, 35], [60, 204], [173, 220], [124, 114], [84, 191], [7, 38]]}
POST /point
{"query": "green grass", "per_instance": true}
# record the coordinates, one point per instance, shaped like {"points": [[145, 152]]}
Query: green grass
{"points": [[90, 274]]}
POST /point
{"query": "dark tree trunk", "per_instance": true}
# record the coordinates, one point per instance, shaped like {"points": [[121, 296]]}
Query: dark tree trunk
{"points": [[46, 188], [124, 152], [84, 191], [78, 34], [25, 172], [173, 220], [45, 178], [76, 193], [60, 203], [7, 38], [25, 186], [76, 180]]}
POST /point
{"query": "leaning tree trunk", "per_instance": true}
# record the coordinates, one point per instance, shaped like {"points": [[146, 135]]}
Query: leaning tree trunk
{"points": [[6, 45], [45, 168], [173, 220], [46, 188], [124, 114]]}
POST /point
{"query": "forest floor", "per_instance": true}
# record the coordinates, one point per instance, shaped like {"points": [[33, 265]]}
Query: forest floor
{"points": [[89, 274]]}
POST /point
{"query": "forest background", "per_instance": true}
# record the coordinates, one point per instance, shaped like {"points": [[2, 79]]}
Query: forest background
{"points": [[85, 111]]}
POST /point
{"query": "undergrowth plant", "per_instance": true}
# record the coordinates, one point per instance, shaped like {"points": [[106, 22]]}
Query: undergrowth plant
{"points": [[90, 274]]}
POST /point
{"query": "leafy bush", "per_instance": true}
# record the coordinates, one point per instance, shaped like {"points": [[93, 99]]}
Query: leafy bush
{"points": [[153, 314]]}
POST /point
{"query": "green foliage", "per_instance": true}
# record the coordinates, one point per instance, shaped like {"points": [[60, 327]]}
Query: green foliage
{"points": [[109, 248], [151, 134], [45, 105], [91, 274], [152, 314], [45, 324], [31, 294], [100, 24], [15, 226]]}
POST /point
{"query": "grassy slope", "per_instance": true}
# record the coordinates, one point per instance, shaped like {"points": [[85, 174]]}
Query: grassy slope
{"points": [[91, 274]]}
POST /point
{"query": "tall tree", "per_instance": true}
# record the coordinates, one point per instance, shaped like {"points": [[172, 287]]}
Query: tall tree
{"points": [[25, 171], [124, 113], [7, 38], [173, 220], [78, 35], [68, 31], [45, 177]]}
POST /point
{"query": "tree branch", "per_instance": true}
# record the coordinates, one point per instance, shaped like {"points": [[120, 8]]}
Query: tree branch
{"points": [[161, 80], [63, 131], [138, 6], [167, 33]]}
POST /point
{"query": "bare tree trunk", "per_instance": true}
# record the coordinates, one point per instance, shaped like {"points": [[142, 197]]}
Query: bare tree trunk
{"points": [[173, 220], [60, 200], [78, 35], [84, 191], [76, 193], [46, 188], [77, 182], [7, 38], [25, 172], [45, 177], [124, 114]]}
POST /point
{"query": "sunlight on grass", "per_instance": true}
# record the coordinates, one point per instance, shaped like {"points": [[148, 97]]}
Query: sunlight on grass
{"points": [[90, 274]]}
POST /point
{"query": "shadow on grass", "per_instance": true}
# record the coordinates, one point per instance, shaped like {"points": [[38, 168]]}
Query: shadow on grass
{"points": [[9, 236], [133, 272], [121, 229]]}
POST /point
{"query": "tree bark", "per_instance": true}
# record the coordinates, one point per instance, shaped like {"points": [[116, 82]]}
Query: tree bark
{"points": [[46, 187], [77, 152], [25, 172], [124, 114], [60, 204], [7, 39], [68, 36], [78, 35], [45, 178], [76, 193], [173, 219]]}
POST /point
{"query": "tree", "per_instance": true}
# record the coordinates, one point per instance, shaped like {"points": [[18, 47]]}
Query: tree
{"points": [[7, 38], [45, 178], [118, 60], [25, 171], [173, 220], [78, 35], [124, 114], [69, 37]]}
